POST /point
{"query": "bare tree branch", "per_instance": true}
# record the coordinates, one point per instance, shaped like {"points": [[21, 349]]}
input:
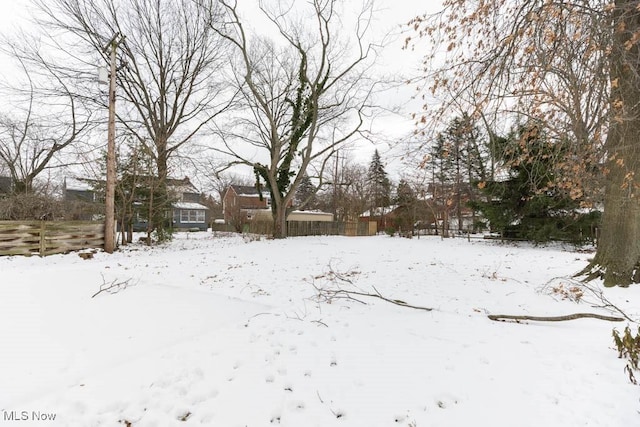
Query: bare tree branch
{"points": [[304, 95], [113, 287], [574, 316]]}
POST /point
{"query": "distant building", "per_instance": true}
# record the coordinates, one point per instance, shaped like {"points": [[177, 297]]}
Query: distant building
{"points": [[383, 216], [6, 186], [80, 189], [186, 210], [83, 202], [241, 203]]}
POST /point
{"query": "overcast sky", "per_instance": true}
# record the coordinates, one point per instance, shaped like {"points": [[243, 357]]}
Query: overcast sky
{"points": [[391, 17]]}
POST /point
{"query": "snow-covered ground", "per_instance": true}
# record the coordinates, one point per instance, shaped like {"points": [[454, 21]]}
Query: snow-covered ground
{"points": [[225, 331]]}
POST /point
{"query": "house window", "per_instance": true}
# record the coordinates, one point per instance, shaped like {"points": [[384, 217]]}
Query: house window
{"points": [[190, 215]]}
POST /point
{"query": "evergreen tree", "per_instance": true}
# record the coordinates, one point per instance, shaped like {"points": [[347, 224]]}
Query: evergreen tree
{"points": [[528, 204], [306, 194], [458, 160], [140, 195], [379, 184], [406, 210]]}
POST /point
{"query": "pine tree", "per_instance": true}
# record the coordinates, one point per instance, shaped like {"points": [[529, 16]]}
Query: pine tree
{"points": [[141, 195], [406, 210], [379, 184], [458, 159], [529, 204], [306, 194]]}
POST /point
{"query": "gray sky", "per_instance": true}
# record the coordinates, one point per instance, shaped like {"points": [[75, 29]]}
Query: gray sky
{"points": [[392, 16]]}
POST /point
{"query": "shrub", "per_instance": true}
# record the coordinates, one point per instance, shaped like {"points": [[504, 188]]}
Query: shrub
{"points": [[30, 207], [629, 348]]}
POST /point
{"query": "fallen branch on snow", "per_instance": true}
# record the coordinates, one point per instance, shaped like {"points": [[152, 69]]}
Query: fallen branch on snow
{"points": [[336, 292], [329, 295], [503, 317], [579, 291], [113, 287]]}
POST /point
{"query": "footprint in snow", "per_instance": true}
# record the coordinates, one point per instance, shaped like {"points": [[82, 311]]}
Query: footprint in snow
{"points": [[297, 405], [275, 419]]}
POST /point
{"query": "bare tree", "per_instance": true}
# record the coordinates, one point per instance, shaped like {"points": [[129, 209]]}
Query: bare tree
{"points": [[571, 66], [45, 119], [346, 193], [170, 64], [222, 181], [170, 61], [305, 94], [356, 192]]}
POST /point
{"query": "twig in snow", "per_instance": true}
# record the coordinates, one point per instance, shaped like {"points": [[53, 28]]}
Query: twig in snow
{"points": [[113, 287], [328, 295], [582, 291]]}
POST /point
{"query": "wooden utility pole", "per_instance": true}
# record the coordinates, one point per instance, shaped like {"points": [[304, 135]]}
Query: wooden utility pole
{"points": [[110, 191]]}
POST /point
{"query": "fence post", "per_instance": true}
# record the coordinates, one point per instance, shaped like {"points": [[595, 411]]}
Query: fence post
{"points": [[43, 245]]}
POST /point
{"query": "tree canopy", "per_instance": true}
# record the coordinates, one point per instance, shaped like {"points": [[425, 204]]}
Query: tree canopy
{"points": [[570, 67]]}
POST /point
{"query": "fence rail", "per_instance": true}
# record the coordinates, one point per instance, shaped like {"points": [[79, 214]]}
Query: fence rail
{"points": [[313, 228], [49, 237]]}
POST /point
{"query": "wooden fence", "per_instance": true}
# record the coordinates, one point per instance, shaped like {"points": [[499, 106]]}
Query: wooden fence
{"points": [[49, 237], [313, 228]]}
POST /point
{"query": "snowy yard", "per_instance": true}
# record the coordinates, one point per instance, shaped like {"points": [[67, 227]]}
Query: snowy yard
{"points": [[219, 331]]}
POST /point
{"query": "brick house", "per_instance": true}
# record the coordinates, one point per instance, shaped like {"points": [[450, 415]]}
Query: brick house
{"points": [[241, 203]]}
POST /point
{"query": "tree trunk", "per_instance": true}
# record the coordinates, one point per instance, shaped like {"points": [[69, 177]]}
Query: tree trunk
{"points": [[162, 163], [130, 230], [618, 254], [279, 220], [123, 237]]}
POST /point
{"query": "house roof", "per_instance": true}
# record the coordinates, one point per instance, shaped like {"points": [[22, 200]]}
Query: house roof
{"points": [[183, 185], [249, 191], [189, 205], [313, 212], [384, 210], [79, 184]]}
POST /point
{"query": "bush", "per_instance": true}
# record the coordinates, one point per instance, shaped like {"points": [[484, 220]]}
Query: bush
{"points": [[30, 207], [629, 348], [163, 233], [391, 231]]}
